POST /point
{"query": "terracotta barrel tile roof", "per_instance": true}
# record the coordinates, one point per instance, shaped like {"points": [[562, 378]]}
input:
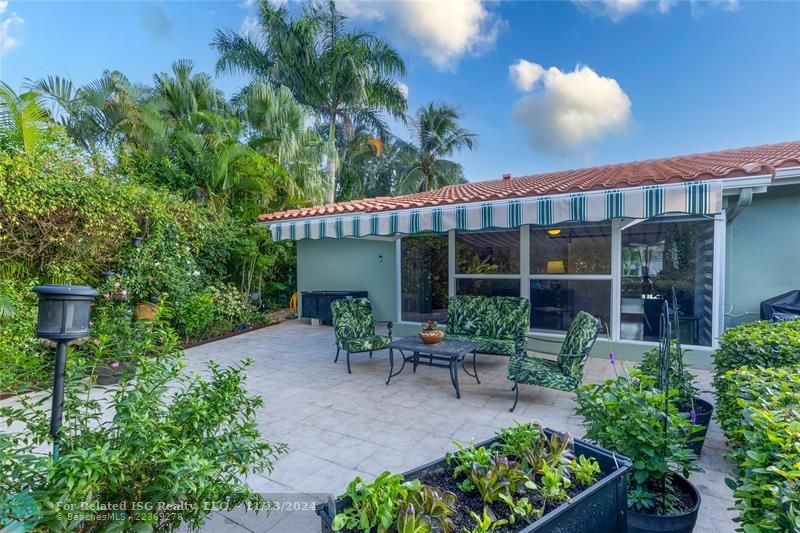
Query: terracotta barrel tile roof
{"points": [[713, 165]]}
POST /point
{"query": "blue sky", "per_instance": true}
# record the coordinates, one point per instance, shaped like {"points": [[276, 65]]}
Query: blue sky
{"points": [[603, 82]]}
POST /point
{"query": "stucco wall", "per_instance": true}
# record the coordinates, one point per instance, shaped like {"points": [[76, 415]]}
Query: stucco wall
{"points": [[350, 264], [762, 253]]}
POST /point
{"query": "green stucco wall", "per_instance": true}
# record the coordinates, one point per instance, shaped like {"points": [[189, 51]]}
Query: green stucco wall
{"points": [[350, 264], [762, 253]]}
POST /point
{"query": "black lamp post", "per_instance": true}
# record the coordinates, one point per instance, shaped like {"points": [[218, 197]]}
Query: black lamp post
{"points": [[63, 317]]}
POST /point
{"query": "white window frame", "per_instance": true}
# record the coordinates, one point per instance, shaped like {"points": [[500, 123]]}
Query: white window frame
{"points": [[525, 277]]}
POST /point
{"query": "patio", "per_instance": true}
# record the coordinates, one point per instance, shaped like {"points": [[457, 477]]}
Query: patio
{"points": [[339, 426]]}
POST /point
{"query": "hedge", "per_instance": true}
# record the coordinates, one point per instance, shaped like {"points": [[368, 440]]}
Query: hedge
{"points": [[759, 410], [761, 343]]}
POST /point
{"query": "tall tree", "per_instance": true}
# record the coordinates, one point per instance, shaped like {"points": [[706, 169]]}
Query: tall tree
{"points": [[179, 94], [21, 119], [436, 135], [347, 77]]}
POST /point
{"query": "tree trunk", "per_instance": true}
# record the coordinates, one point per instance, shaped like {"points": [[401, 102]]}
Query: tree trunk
{"points": [[330, 190]]}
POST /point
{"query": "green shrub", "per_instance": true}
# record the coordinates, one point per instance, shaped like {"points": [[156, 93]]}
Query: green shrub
{"points": [[759, 410], [24, 362], [627, 415], [761, 343], [680, 379], [175, 439]]}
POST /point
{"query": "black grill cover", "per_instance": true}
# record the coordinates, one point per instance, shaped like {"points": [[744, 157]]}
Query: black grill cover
{"points": [[787, 303]]}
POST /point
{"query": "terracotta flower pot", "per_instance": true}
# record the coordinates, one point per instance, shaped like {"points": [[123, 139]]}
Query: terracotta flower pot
{"points": [[146, 311], [431, 336]]}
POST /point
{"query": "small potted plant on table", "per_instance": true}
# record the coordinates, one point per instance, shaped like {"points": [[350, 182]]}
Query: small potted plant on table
{"points": [[431, 334]]}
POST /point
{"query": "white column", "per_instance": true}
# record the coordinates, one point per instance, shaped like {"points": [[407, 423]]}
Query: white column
{"points": [[718, 278], [451, 262], [616, 278], [525, 261]]}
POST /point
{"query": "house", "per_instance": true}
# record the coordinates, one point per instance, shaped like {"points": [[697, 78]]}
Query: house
{"points": [[722, 228]]}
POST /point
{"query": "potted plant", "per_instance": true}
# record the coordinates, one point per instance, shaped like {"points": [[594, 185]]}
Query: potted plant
{"points": [[430, 333], [147, 309], [525, 479], [685, 398], [632, 416]]}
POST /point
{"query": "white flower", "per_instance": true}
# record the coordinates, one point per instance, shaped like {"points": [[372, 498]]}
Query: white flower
{"points": [[195, 273]]}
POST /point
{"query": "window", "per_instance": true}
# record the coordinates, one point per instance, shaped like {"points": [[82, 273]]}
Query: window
{"points": [[658, 255], [570, 272], [487, 252], [423, 284], [488, 287]]}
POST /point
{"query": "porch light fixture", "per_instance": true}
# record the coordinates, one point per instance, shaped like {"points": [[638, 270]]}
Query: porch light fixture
{"points": [[553, 231], [63, 317], [555, 267]]}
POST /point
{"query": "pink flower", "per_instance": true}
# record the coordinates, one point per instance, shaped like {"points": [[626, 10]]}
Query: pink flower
{"points": [[106, 295], [114, 364], [96, 341], [116, 285], [124, 293]]}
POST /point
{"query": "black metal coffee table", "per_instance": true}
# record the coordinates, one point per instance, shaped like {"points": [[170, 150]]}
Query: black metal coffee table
{"points": [[446, 354]]}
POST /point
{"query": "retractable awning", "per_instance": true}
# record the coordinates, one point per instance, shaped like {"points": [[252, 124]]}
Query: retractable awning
{"points": [[694, 198]]}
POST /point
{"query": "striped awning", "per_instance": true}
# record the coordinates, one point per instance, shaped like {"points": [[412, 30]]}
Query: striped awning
{"points": [[696, 198]]}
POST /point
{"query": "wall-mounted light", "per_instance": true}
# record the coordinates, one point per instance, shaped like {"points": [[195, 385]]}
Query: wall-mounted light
{"points": [[380, 259], [553, 231]]}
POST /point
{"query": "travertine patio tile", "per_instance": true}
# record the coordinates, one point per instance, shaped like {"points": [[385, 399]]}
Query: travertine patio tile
{"points": [[341, 425]]}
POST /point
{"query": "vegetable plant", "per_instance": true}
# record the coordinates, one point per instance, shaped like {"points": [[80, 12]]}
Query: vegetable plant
{"points": [[431, 506], [376, 504], [585, 470], [554, 484], [463, 459], [485, 523]]}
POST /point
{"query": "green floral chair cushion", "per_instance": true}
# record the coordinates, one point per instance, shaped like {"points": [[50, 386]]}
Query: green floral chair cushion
{"points": [[352, 321], [566, 372], [489, 345], [366, 344], [578, 342], [543, 372], [492, 321]]}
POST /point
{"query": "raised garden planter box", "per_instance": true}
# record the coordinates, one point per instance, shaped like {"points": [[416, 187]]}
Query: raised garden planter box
{"points": [[601, 508]]}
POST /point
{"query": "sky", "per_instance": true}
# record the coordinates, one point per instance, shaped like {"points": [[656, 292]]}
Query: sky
{"points": [[546, 85]]}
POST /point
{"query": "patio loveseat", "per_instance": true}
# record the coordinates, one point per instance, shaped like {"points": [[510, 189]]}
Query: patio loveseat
{"points": [[498, 324]]}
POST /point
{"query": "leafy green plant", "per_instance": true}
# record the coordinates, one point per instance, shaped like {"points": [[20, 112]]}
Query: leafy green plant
{"points": [[759, 410], [760, 343], [553, 484], [585, 470], [485, 523], [429, 505], [680, 379], [463, 459], [628, 415], [409, 521], [175, 439], [501, 476], [376, 504], [525, 442], [521, 508]]}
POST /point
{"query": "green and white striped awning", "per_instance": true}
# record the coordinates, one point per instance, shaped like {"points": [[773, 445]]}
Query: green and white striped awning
{"points": [[697, 198]]}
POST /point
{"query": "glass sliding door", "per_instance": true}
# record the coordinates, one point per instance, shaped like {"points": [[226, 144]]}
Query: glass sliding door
{"points": [[570, 271], [661, 254], [424, 278]]}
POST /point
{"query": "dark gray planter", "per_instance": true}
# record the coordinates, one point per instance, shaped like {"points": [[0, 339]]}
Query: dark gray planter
{"points": [[704, 410], [602, 508], [681, 523]]}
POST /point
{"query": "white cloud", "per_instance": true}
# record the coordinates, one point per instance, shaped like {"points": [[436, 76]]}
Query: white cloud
{"points": [[572, 109], [442, 30], [664, 6], [8, 42], [250, 27], [525, 74], [616, 10], [403, 89]]}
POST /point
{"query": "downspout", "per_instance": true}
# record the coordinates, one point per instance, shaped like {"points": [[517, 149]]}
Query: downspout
{"points": [[744, 199]]}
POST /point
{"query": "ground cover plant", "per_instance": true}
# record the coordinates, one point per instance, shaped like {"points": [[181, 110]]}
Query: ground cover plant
{"points": [[501, 487]]}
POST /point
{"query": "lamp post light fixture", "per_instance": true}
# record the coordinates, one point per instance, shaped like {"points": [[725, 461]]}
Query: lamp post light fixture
{"points": [[63, 317], [137, 242], [108, 275]]}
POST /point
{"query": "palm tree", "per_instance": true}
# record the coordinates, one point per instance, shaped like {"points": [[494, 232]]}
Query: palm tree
{"points": [[437, 135], [22, 118], [278, 126], [347, 77], [183, 92]]}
